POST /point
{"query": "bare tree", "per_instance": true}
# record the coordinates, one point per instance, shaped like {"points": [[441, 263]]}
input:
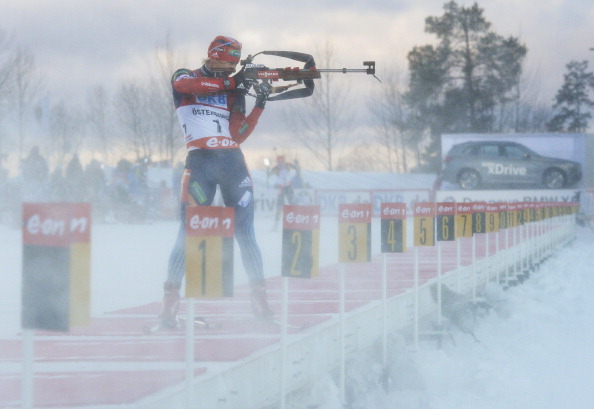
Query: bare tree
{"points": [[398, 129], [161, 106], [523, 111], [322, 124], [390, 112], [363, 157], [66, 133], [6, 62], [27, 87], [385, 108], [132, 107], [98, 121], [146, 111]]}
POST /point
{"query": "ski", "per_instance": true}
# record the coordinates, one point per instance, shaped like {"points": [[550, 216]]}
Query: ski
{"points": [[199, 322], [147, 329]]}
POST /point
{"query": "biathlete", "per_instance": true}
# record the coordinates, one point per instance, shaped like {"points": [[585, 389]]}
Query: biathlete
{"points": [[210, 105]]}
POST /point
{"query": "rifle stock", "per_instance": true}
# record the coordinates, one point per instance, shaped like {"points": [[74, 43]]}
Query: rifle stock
{"points": [[260, 72], [305, 75]]}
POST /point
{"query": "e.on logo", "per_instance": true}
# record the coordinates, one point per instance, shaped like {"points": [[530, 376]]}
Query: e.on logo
{"points": [[393, 211], [463, 208], [209, 221], [424, 209], [354, 213], [207, 224], [296, 217], [445, 209], [56, 224], [52, 227], [299, 218]]}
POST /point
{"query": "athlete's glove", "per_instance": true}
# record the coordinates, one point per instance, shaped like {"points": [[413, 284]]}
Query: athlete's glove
{"points": [[262, 92], [241, 82]]}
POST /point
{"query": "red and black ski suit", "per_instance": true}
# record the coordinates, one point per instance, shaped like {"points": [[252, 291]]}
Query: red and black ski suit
{"points": [[214, 125]]}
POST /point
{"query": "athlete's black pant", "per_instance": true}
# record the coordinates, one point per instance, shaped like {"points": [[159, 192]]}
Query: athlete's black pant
{"points": [[227, 169]]}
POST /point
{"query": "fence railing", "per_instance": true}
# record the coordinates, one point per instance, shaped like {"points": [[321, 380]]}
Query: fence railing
{"points": [[525, 237]]}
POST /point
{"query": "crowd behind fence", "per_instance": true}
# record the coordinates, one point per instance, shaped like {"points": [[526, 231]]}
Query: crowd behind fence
{"points": [[136, 192], [120, 194]]}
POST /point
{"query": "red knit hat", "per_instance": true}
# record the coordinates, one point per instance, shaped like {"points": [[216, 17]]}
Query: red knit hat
{"points": [[225, 49]]}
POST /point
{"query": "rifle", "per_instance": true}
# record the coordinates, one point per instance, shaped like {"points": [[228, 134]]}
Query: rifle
{"points": [[262, 76]]}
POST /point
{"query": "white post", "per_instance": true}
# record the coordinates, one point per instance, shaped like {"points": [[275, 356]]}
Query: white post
{"points": [[284, 318], [522, 248], [508, 254], [385, 311], [487, 253], [459, 262], [341, 314], [416, 301], [540, 234], [189, 351], [517, 253], [498, 256], [28, 356], [439, 284], [531, 246], [473, 267]]}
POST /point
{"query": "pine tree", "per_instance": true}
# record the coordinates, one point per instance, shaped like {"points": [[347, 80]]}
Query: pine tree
{"points": [[457, 85], [573, 101]]}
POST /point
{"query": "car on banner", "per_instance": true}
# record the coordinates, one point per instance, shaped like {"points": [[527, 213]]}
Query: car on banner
{"points": [[475, 165]]}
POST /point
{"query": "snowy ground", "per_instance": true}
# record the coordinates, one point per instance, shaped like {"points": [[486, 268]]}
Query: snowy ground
{"points": [[539, 354]]}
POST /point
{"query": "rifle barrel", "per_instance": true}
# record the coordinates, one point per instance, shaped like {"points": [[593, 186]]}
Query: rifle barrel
{"points": [[343, 70]]}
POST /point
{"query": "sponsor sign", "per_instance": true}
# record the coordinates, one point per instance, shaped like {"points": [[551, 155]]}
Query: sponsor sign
{"points": [[564, 146], [56, 289], [495, 196], [502, 210], [424, 224], [354, 229], [209, 251], [393, 227], [463, 220], [408, 197], [495, 168], [301, 241], [479, 224], [445, 227], [492, 217], [329, 199]]}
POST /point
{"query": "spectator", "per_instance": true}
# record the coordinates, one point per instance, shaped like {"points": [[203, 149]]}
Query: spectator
{"points": [[120, 189], [35, 176], [284, 173], [96, 188], [74, 178], [57, 185]]}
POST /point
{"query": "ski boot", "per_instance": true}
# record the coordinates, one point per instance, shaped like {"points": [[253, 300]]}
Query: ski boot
{"points": [[168, 315], [259, 299]]}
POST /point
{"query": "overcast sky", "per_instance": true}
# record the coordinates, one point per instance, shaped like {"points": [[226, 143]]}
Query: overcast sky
{"points": [[78, 44], [82, 42]]}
